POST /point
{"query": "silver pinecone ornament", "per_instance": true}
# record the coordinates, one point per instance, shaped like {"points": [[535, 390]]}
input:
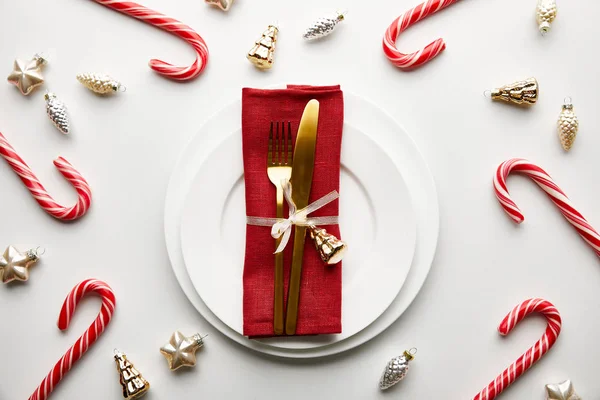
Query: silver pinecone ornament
{"points": [[568, 125], [396, 369], [57, 112], [545, 14], [323, 27], [99, 83]]}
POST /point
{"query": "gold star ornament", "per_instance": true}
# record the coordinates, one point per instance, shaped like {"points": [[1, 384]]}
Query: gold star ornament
{"points": [[224, 5], [27, 75], [14, 264], [180, 351], [561, 391]]}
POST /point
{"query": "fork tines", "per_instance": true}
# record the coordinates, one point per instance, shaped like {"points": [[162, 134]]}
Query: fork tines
{"points": [[282, 142]]}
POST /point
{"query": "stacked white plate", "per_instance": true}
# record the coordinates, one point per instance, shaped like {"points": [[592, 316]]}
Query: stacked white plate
{"points": [[388, 216]]}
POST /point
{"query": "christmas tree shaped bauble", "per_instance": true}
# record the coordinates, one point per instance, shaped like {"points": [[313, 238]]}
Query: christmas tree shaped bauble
{"points": [[133, 383], [261, 54]]}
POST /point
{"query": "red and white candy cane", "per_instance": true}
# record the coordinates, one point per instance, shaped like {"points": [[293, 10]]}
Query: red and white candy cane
{"points": [[558, 197], [170, 25], [531, 356], [84, 342], [38, 191], [400, 24]]}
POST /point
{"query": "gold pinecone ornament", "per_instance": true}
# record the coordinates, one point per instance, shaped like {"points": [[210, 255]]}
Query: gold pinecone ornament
{"points": [[545, 14], [568, 125], [99, 83], [522, 92], [57, 112], [133, 383], [261, 55], [330, 248]]}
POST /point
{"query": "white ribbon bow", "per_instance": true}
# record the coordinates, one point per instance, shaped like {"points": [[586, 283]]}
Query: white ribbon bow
{"points": [[282, 228]]}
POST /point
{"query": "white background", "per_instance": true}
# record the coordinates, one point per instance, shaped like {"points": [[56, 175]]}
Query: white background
{"points": [[127, 145]]}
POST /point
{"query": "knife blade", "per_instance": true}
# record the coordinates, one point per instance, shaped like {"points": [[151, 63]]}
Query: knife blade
{"points": [[302, 175]]}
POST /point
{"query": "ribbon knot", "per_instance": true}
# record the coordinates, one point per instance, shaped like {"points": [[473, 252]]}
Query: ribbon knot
{"points": [[282, 228]]}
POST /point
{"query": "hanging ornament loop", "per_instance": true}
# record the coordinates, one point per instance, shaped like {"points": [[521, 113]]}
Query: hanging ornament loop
{"points": [[40, 194], [172, 26], [404, 21]]}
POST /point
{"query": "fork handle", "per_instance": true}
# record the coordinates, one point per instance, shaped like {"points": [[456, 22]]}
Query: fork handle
{"points": [[278, 308]]}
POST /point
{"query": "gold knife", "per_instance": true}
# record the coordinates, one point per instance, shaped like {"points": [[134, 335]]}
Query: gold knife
{"points": [[302, 176]]}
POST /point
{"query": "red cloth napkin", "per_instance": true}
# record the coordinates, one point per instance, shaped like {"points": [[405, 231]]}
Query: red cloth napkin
{"points": [[320, 308]]}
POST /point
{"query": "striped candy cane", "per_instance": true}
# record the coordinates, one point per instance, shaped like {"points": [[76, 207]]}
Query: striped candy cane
{"points": [[170, 25], [400, 24], [90, 336], [558, 197], [531, 356], [38, 191]]}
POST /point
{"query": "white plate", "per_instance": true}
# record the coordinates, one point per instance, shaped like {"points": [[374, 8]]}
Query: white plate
{"points": [[388, 134], [376, 220]]}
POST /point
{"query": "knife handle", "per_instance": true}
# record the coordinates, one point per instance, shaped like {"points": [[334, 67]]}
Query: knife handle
{"points": [[295, 275]]}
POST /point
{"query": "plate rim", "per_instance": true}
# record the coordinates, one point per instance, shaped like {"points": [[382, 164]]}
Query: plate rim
{"points": [[428, 255]]}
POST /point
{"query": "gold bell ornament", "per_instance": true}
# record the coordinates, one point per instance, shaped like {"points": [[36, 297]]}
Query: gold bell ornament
{"points": [[568, 125], [330, 248], [261, 55], [100, 83], [545, 14], [133, 383], [522, 92]]}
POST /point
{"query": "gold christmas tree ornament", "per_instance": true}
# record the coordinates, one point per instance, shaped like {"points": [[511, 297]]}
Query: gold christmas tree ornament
{"points": [[261, 55], [545, 14], [133, 383], [14, 265], [100, 83], [180, 350], [27, 75], [568, 125], [522, 92], [224, 5], [330, 248]]}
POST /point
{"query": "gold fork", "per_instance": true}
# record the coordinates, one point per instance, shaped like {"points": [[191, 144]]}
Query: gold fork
{"points": [[279, 167]]}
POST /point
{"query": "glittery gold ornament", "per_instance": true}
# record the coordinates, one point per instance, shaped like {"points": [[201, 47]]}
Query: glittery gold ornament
{"points": [[27, 75], [323, 27], [99, 83], [261, 55], [522, 92], [396, 369], [330, 248], [133, 383], [57, 112], [180, 351], [222, 4], [545, 14], [568, 125], [14, 265], [561, 391]]}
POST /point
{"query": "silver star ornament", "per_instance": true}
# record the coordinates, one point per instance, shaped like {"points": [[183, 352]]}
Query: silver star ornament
{"points": [[561, 391], [14, 265], [27, 75], [180, 351]]}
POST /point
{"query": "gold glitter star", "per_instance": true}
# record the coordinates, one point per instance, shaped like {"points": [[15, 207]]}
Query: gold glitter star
{"points": [[562, 391], [181, 350], [27, 75], [14, 264]]}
